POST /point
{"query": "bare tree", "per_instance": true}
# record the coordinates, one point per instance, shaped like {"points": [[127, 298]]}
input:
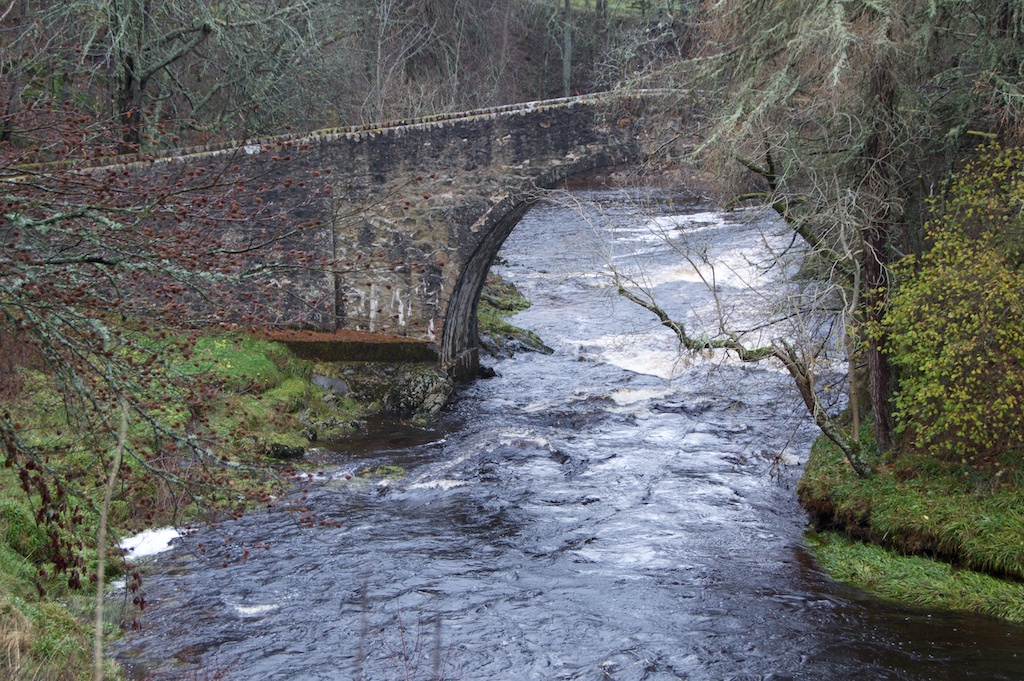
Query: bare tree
{"points": [[796, 331], [163, 67], [843, 117]]}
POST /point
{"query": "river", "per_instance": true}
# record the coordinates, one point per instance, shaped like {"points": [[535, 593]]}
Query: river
{"points": [[609, 511]]}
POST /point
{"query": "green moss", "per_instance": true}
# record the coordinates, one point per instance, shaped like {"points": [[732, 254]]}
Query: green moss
{"points": [[492, 321], [500, 294], [916, 580], [267, 398], [382, 472], [291, 394], [499, 300], [240, 363]]}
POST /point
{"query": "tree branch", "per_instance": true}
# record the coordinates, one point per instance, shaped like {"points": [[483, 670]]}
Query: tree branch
{"points": [[784, 352]]}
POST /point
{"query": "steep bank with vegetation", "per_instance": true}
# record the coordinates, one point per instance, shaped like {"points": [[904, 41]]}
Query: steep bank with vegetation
{"points": [[953, 489], [922, 531], [260, 410], [257, 406]]}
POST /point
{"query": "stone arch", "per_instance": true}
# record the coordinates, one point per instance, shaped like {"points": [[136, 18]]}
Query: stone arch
{"points": [[459, 351]]}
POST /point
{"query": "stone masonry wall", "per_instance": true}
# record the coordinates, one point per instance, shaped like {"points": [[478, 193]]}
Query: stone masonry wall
{"points": [[391, 229]]}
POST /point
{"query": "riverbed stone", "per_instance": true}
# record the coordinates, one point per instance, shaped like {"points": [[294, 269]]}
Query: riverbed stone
{"points": [[336, 386], [401, 388]]}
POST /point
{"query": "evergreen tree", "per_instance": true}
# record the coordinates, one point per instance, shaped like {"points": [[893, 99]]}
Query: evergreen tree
{"points": [[849, 114]]}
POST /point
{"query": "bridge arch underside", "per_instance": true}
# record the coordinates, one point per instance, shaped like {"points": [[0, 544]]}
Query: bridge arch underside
{"points": [[460, 345]]}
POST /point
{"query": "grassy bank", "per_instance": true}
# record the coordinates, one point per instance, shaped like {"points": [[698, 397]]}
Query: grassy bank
{"points": [[916, 580], [256, 401], [923, 530]]}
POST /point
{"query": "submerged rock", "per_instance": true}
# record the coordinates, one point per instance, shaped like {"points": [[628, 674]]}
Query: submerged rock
{"points": [[505, 343], [283, 451]]}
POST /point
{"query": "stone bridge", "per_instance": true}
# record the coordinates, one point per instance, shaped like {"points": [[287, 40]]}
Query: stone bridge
{"points": [[411, 214]]}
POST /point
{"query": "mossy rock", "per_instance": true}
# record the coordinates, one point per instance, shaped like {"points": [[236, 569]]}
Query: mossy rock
{"points": [[327, 427], [398, 388], [382, 472], [504, 340], [503, 295], [498, 300], [279, 450]]}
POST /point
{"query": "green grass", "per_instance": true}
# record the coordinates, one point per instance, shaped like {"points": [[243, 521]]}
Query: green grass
{"points": [[916, 580], [922, 504], [42, 637], [243, 363], [921, 510]]}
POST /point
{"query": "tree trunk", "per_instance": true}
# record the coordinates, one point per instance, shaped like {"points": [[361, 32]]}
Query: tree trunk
{"points": [[129, 106], [131, 23], [101, 543], [567, 50], [882, 189]]}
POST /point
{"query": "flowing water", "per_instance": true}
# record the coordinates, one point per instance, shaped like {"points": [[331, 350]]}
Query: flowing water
{"points": [[609, 511]]}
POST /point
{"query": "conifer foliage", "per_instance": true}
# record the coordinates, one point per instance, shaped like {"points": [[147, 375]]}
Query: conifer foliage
{"points": [[844, 117]]}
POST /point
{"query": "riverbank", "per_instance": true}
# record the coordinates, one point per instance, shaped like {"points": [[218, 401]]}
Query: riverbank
{"points": [[922, 531], [261, 411], [254, 411]]}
